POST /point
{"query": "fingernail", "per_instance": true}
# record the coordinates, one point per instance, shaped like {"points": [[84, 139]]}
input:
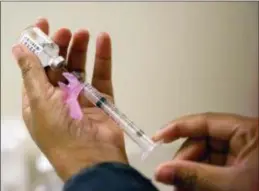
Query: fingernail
{"points": [[156, 136], [15, 46], [39, 19], [158, 132], [81, 30], [165, 174], [17, 50]]}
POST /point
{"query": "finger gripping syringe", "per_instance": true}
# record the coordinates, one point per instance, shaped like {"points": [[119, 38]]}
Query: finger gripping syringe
{"points": [[48, 53]]}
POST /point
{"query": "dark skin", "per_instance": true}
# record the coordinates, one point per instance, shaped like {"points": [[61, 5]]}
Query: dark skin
{"points": [[70, 145], [220, 153]]}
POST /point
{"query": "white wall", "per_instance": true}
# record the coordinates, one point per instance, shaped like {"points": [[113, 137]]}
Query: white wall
{"points": [[169, 59]]}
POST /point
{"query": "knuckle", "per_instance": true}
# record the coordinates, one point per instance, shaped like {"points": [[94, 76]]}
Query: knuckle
{"points": [[35, 101], [25, 70], [205, 120], [206, 115], [50, 91], [186, 180], [25, 65], [176, 128]]}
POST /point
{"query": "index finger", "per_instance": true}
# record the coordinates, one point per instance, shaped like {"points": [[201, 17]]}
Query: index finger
{"points": [[218, 125]]}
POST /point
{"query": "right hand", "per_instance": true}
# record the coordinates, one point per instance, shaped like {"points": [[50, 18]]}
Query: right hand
{"points": [[220, 153]]}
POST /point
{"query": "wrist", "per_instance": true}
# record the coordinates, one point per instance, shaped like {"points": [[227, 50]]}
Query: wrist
{"points": [[70, 162]]}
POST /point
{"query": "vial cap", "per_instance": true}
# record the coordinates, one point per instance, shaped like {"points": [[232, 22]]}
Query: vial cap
{"points": [[57, 62]]}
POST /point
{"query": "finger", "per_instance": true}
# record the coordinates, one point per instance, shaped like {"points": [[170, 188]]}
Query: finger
{"points": [[62, 38], [217, 158], [102, 75], [77, 58], [197, 150], [217, 125], [35, 80], [191, 149], [193, 176], [26, 110], [25, 101], [251, 146], [77, 54], [43, 24]]}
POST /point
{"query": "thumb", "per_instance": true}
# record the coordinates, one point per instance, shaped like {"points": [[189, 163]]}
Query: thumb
{"points": [[193, 176], [35, 80]]}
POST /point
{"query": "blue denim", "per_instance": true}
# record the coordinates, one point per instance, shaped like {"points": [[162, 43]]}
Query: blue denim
{"points": [[109, 177]]}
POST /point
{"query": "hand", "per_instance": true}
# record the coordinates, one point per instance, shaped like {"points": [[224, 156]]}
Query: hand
{"points": [[220, 153], [70, 145]]}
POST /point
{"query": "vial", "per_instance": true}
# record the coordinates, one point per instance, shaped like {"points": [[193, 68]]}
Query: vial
{"points": [[42, 46]]}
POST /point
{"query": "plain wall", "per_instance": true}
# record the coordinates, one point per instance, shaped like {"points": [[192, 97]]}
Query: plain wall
{"points": [[169, 59]]}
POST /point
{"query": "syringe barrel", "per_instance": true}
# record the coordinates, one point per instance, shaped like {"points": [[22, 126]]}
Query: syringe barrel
{"points": [[136, 134]]}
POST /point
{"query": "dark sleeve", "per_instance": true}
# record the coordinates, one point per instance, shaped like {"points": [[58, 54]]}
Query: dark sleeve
{"points": [[109, 177]]}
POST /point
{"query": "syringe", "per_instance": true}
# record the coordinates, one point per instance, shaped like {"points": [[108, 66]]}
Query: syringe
{"points": [[48, 53], [136, 134]]}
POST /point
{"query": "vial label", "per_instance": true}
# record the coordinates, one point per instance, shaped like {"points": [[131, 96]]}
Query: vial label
{"points": [[31, 44]]}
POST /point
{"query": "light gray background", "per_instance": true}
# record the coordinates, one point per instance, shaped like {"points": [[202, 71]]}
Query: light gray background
{"points": [[169, 59]]}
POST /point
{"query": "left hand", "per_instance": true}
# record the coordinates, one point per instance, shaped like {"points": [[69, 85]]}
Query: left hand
{"points": [[70, 145]]}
